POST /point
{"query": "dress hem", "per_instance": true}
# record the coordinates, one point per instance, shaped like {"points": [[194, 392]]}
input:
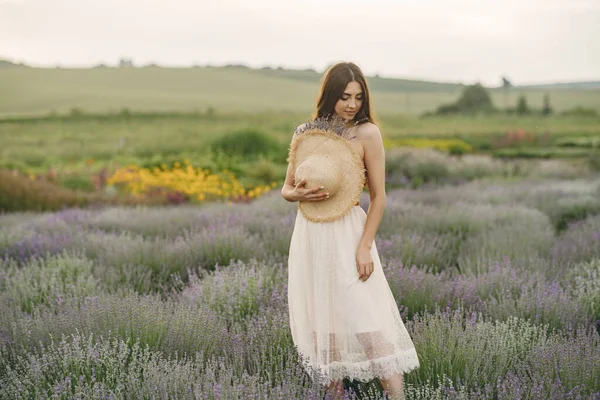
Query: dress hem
{"points": [[400, 362]]}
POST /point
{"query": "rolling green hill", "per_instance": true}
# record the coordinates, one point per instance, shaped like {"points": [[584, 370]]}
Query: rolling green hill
{"points": [[34, 91], [10, 64]]}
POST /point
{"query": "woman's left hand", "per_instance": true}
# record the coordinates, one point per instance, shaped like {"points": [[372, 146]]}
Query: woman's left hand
{"points": [[364, 263]]}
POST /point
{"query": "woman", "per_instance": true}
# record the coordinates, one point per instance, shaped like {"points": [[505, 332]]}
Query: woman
{"points": [[343, 316]]}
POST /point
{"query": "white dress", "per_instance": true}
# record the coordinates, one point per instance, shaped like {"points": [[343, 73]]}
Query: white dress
{"points": [[341, 326]]}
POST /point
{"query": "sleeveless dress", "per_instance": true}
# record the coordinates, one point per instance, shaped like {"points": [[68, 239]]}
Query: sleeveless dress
{"points": [[343, 327]]}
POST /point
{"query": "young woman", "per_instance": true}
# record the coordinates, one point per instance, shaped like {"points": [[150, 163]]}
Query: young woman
{"points": [[343, 316]]}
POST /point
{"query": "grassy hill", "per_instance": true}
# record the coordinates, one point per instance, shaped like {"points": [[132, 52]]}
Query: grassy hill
{"points": [[10, 64], [565, 85], [33, 91]]}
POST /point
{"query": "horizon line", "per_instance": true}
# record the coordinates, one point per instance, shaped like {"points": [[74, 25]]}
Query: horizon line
{"points": [[237, 64]]}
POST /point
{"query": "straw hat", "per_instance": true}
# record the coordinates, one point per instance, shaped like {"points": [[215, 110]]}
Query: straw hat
{"points": [[321, 153]]}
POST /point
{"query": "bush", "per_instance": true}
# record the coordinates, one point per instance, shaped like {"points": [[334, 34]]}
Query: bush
{"points": [[572, 209], [586, 279], [19, 193], [580, 242], [474, 166], [469, 348], [48, 281], [248, 144], [590, 142], [77, 182], [417, 168], [451, 146], [446, 109], [522, 107], [593, 161], [264, 172], [580, 111], [536, 152], [474, 99]]}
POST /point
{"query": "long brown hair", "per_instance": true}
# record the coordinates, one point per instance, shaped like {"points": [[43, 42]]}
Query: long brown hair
{"points": [[335, 81]]}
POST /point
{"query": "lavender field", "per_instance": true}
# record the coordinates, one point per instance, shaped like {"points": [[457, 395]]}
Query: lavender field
{"points": [[498, 283]]}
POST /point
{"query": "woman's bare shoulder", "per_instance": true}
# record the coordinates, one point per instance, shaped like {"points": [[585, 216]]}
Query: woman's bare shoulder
{"points": [[368, 130]]}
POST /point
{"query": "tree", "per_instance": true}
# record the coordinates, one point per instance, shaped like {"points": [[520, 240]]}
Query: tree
{"points": [[547, 110], [125, 62], [522, 107], [506, 85], [475, 98]]}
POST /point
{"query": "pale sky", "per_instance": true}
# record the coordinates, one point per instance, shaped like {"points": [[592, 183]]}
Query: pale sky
{"points": [[530, 41]]}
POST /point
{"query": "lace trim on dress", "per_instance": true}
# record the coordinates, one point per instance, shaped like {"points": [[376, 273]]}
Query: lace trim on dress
{"points": [[364, 371]]}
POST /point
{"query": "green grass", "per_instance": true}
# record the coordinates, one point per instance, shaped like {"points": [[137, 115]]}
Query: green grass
{"points": [[60, 141], [109, 116], [29, 91], [464, 126], [546, 152], [53, 141]]}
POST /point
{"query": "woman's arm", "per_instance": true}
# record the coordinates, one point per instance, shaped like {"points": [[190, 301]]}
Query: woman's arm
{"points": [[289, 184], [296, 191], [375, 165]]}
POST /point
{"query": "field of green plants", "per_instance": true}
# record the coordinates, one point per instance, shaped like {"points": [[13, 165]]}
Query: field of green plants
{"points": [[498, 284], [77, 127], [144, 242], [90, 153], [40, 91]]}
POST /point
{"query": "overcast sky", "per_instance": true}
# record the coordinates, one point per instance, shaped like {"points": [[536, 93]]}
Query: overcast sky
{"points": [[530, 41]]}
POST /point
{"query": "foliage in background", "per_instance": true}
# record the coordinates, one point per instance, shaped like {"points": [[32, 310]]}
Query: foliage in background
{"points": [[21, 193], [185, 181], [580, 111], [80, 151], [231, 89], [451, 146], [18, 193], [408, 167], [191, 301], [249, 145], [474, 99]]}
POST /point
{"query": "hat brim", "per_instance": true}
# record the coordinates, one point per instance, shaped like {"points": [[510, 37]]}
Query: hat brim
{"points": [[325, 142]]}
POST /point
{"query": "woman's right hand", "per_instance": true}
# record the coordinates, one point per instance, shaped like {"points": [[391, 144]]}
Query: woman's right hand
{"points": [[302, 193]]}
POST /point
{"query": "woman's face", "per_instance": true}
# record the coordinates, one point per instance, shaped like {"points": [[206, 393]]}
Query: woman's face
{"points": [[350, 102]]}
